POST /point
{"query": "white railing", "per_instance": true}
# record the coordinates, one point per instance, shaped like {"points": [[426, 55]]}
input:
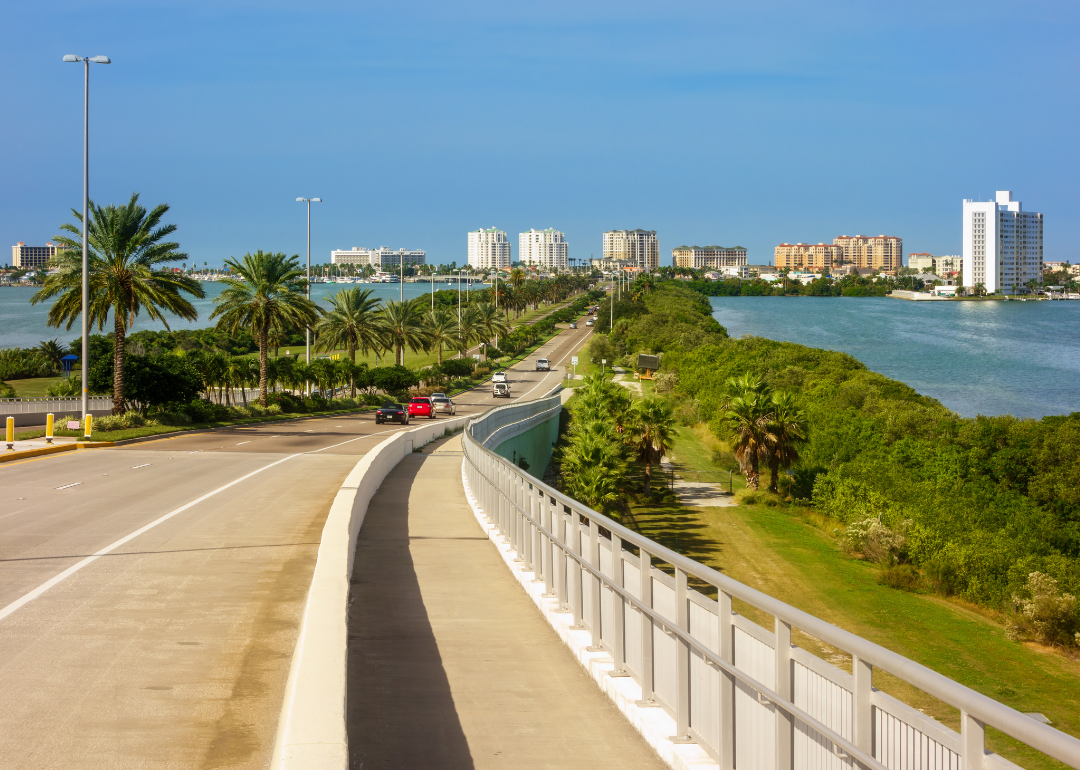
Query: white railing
{"points": [[58, 406], [744, 693]]}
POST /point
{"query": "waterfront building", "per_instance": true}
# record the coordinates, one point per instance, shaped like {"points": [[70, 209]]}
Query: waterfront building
{"points": [[921, 262], [636, 248], [882, 252], [380, 258], [806, 256], [489, 249], [708, 257], [948, 265], [544, 248], [1003, 244], [32, 257]]}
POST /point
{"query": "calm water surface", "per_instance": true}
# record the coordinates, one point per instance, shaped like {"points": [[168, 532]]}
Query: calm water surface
{"points": [[1019, 358]]}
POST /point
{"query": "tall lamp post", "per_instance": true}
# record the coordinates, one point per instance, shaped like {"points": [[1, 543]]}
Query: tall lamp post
{"points": [[307, 330], [85, 358]]}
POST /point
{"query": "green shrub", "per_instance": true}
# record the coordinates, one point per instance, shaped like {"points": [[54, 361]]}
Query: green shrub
{"points": [[173, 418], [875, 541], [274, 409], [1044, 613], [903, 577], [205, 411], [6, 391]]}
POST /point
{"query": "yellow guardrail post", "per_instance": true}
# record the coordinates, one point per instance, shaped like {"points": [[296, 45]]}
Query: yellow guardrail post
{"points": [[48, 428], [89, 425], [11, 433]]}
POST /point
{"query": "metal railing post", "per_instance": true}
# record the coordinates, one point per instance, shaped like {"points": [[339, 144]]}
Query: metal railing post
{"points": [[862, 697], [547, 560], [682, 661], [784, 722], [596, 587], [973, 740], [618, 607], [726, 708], [648, 672], [562, 528], [577, 596]]}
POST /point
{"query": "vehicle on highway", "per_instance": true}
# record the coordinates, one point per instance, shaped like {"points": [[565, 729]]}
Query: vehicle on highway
{"points": [[498, 377], [421, 406], [573, 324], [543, 365], [443, 406], [500, 390], [591, 322], [391, 413], [439, 395]]}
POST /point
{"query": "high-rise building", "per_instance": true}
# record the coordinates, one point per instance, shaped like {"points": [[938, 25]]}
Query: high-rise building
{"points": [[633, 248], [807, 256], [698, 257], [544, 248], [381, 258], [1003, 244], [32, 257], [489, 249], [883, 252]]}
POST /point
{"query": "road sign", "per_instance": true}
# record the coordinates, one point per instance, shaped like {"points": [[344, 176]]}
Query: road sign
{"points": [[573, 360]]}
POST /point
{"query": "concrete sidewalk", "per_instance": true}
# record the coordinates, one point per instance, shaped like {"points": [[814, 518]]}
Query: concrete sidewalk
{"points": [[450, 665]]}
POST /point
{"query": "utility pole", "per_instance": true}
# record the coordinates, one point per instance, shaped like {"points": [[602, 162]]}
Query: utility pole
{"points": [[307, 330]]}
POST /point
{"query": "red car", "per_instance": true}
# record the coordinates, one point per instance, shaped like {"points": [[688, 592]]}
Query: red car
{"points": [[421, 407]]}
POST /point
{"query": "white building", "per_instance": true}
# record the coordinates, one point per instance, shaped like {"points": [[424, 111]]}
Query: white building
{"points": [[489, 249], [637, 248], [544, 248], [381, 258], [1003, 244]]}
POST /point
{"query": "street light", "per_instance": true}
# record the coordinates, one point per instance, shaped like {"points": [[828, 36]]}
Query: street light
{"points": [[307, 330], [85, 363]]}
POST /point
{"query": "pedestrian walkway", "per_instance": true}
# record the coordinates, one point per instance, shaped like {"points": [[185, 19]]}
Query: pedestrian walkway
{"points": [[450, 664]]}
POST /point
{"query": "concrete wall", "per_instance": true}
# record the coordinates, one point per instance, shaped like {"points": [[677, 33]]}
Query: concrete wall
{"points": [[534, 445]]}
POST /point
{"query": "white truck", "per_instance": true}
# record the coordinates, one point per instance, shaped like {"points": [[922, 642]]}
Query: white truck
{"points": [[500, 390], [543, 365]]}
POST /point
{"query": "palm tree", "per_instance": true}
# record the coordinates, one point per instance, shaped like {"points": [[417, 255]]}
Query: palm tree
{"points": [[403, 328], [441, 329], [786, 431], [264, 291], [651, 432], [469, 330], [126, 251], [354, 323], [517, 277], [53, 351], [747, 415], [490, 323]]}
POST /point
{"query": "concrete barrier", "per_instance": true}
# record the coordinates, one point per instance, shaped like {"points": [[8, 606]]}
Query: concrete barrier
{"points": [[311, 729]]}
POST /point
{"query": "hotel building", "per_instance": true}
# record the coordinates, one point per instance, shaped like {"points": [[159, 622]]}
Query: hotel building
{"points": [[709, 257], [32, 257], [807, 256], [632, 248], [544, 248], [883, 252], [1003, 244], [489, 249], [381, 258]]}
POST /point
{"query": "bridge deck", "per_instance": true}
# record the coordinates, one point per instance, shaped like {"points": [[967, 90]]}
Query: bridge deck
{"points": [[449, 664]]}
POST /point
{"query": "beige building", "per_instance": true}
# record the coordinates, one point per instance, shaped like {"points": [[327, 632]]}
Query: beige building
{"points": [[928, 263], [882, 252], [806, 256], [30, 257], [636, 248], [708, 257]]}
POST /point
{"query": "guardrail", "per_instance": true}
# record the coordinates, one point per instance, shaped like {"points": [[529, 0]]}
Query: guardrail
{"points": [[58, 406], [745, 694]]}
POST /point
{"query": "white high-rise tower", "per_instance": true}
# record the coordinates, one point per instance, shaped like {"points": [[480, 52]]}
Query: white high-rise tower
{"points": [[1003, 244], [489, 249], [544, 248]]}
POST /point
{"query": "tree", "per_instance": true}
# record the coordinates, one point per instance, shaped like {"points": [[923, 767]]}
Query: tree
{"points": [[490, 323], [354, 323], [403, 328], [469, 330], [746, 416], [651, 432], [53, 351], [517, 277], [127, 249], [266, 293], [785, 432], [440, 326]]}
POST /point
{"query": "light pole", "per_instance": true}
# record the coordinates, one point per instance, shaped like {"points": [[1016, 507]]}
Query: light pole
{"points": [[307, 329], [85, 357]]}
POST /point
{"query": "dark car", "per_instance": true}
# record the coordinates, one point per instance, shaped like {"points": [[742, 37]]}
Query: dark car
{"points": [[421, 407], [391, 413]]}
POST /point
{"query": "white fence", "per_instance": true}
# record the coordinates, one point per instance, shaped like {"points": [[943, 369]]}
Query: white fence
{"points": [[744, 693], [58, 406]]}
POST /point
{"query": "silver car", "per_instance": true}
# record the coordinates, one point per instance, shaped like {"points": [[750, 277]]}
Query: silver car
{"points": [[443, 406]]}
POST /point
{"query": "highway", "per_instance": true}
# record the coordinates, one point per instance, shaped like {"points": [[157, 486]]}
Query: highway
{"points": [[150, 594]]}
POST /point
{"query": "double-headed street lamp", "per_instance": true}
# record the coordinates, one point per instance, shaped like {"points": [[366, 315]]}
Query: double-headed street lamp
{"points": [[307, 330], [85, 362]]}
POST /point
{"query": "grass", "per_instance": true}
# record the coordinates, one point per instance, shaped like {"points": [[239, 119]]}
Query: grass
{"points": [[33, 388], [791, 553]]}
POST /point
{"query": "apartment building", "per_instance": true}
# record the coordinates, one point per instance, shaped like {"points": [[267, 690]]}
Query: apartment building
{"points": [[635, 248], [544, 248], [882, 252], [947, 265], [1003, 244], [807, 256], [32, 257], [708, 257], [381, 258], [489, 249]]}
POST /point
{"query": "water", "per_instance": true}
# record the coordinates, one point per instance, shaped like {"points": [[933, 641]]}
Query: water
{"points": [[1019, 358], [23, 325]]}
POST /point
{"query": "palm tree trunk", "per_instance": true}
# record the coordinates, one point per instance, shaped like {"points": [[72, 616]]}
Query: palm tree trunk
{"points": [[440, 354], [352, 375], [648, 477], [774, 473], [262, 366], [119, 335], [753, 478]]}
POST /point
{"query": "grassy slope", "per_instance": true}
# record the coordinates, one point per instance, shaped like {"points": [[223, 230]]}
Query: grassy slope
{"points": [[32, 388], [792, 554]]}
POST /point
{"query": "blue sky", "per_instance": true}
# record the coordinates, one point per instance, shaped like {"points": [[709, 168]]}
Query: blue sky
{"points": [[710, 122]]}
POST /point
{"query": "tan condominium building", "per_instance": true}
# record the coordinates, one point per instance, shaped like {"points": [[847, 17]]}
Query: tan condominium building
{"points": [[880, 252], [28, 257], [700, 257], [635, 248], [806, 256]]}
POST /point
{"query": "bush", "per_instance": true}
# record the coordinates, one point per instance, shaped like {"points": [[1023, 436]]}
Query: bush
{"points": [[458, 367], [173, 418], [1044, 613], [124, 421], [23, 364], [665, 382], [875, 541], [315, 404], [286, 403], [6, 391], [903, 577], [204, 411], [274, 409], [69, 388]]}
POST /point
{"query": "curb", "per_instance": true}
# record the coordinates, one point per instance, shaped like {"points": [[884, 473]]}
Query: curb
{"points": [[45, 450]]}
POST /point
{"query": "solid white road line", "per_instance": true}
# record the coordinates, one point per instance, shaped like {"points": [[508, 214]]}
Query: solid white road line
{"points": [[244, 442], [29, 597], [144, 465]]}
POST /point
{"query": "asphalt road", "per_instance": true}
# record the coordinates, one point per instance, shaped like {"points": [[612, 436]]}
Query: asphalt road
{"points": [[150, 594]]}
